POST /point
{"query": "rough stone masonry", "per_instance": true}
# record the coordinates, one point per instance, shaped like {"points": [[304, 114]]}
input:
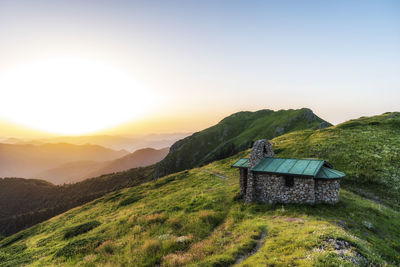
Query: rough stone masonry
{"points": [[281, 187]]}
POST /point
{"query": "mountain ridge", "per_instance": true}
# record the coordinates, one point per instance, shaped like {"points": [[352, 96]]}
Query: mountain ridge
{"points": [[72, 172], [26, 160], [233, 134], [139, 158], [114, 142]]}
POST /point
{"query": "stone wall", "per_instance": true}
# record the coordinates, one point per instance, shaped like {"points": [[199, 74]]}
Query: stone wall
{"points": [[243, 181], [327, 191], [250, 194], [267, 188], [261, 149], [272, 189]]}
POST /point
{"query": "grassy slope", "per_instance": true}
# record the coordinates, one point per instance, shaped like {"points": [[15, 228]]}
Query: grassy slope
{"points": [[25, 202], [193, 218], [366, 149], [233, 134]]}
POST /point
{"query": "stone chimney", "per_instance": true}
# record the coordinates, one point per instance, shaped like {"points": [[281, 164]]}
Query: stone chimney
{"points": [[261, 149]]}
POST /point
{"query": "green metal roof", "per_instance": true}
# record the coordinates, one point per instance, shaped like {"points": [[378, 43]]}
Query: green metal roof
{"points": [[241, 163], [304, 167], [299, 167], [328, 173]]}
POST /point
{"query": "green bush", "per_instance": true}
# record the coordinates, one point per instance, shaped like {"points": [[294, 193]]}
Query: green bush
{"points": [[14, 249], [81, 246], [80, 229], [113, 197], [210, 217], [220, 261], [129, 200], [200, 202], [10, 240]]}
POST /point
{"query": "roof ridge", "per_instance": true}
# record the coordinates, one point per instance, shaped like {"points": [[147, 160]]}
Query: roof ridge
{"points": [[306, 167], [319, 168]]}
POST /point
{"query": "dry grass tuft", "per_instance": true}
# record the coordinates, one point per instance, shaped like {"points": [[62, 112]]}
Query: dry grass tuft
{"points": [[177, 259], [156, 218], [151, 246]]}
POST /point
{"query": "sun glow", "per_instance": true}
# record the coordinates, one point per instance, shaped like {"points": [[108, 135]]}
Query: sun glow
{"points": [[71, 96]]}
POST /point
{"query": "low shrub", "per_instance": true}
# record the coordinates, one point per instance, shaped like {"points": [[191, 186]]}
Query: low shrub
{"points": [[107, 247], [80, 229], [155, 218], [164, 181], [10, 240], [151, 246], [176, 259], [15, 249], [81, 246], [220, 261], [113, 197], [175, 223], [130, 200], [210, 217], [44, 241], [200, 202]]}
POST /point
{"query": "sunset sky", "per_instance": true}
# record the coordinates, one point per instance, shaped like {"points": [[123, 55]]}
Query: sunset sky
{"points": [[78, 67]]}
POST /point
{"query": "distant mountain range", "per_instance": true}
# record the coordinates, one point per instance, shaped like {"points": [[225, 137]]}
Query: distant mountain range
{"points": [[28, 160], [139, 158], [67, 163], [77, 171], [115, 142], [233, 134]]}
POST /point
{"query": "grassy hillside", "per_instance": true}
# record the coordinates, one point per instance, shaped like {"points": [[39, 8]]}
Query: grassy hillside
{"points": [[366, 149], [25, 202], [194, 218], [233, 134]]}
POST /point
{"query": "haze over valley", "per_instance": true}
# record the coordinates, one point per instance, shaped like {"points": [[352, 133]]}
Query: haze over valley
{"points": [[61, 163]]}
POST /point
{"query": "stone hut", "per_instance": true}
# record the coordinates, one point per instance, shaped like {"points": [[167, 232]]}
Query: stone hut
{"points": [[266, 179]]}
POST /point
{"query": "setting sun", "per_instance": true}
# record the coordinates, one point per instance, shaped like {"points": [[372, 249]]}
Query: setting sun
{"points": [[72, 96]]}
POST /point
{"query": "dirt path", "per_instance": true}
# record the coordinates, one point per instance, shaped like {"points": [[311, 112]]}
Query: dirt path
{"points": [[260, 243], [216, 174]]}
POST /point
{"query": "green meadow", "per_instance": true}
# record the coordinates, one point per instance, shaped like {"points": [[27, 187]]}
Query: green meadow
{"points": [[196, 217]]}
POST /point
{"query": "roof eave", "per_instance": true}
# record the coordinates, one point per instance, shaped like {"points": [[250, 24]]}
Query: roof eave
{"points": [[316, 178], [285, 174], [239, 167]]}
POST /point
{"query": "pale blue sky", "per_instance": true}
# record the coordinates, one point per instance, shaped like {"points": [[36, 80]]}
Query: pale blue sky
{"points": [[212, 58]]}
